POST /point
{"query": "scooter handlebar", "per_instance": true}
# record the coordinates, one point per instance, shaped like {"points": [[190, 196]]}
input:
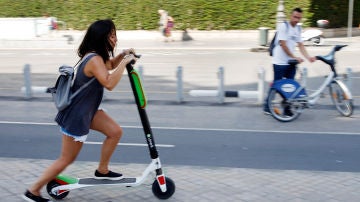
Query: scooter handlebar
{"points": [[136, 56]]}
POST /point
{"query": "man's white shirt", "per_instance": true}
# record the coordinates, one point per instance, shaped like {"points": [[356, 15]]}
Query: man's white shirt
{"points": [[292, 36]]}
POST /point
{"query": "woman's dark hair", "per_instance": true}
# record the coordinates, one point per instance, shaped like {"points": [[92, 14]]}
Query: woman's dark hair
{"points": [[96, 39]]}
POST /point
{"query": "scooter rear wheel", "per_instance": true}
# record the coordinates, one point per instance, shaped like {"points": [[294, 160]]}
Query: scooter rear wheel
{"points": [[170, 189], [52, 184]]}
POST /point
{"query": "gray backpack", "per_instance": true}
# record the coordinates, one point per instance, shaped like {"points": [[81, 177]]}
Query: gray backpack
{"points": [[62, 93]]}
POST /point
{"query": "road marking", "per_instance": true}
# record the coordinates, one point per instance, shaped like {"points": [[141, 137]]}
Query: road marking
{"points": [[210, 129], [27, 123], [87, 142], [133, 144]]}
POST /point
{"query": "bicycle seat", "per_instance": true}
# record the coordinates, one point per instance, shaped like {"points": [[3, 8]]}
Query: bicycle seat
{"points": [[293, 62], [329, 58]]}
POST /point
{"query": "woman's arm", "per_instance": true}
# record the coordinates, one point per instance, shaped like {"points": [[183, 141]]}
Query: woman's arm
{"points": [[96, 67]]}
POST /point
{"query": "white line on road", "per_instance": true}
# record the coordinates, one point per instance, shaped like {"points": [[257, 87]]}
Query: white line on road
{"points": [[211, 129], [133, 144]]}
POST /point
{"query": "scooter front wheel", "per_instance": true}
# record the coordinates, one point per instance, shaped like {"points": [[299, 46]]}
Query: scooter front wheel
{"points": [[170, 189], [52, 184]]}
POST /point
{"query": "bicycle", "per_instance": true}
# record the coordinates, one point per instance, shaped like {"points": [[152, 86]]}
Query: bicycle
{"points": [[287, 98]]}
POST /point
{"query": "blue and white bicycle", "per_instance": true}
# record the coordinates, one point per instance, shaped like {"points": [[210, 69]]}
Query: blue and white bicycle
{"points": [[287, 98]]}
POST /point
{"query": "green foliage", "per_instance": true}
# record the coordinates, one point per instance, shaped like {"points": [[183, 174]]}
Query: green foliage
{"points": [[336, 12], [192, 14]]}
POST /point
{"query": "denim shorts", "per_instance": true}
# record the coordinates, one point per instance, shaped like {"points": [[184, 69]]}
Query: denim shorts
{"points": [[76, 138]]}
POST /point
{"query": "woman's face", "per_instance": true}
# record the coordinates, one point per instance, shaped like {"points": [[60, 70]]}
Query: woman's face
{"points": [[113, 39]]}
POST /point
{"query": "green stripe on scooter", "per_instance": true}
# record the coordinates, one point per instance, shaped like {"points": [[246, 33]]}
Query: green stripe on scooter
{"points": [[67, 179]]}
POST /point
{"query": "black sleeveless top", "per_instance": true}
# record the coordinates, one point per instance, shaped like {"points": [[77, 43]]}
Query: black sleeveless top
{"points": [[77, 117]]}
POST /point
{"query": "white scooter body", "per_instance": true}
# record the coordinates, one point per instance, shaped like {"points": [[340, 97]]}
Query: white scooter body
{"points": [[315, 36], [127, 182]]}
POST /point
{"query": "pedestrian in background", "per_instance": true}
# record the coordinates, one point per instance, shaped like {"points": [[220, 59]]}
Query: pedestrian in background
{"points": [[163, 22], [288, 36], [169, 27]]}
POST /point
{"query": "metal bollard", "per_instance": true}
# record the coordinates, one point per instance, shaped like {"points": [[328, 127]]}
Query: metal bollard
{"points": [[304, 74], [348, 76], [221, 85], [261, 85], [141, 72], [27, 80], [180, 88]]}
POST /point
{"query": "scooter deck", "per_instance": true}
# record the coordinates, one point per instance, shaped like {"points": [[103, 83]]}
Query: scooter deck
{"points": [[93, 181]]}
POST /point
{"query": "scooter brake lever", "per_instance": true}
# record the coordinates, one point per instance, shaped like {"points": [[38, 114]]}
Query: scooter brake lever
{"points": [[137, 56]]}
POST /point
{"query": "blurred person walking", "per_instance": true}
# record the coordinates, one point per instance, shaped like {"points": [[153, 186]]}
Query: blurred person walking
{"points": [[169, 27], [84, 113], [163, 22]]}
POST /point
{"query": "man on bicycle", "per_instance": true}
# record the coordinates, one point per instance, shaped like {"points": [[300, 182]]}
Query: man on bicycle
{"points": [[288, 36]]}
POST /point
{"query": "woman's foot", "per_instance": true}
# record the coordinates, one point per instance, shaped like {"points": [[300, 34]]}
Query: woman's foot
{"points": [[108, 176], [28, 196]]}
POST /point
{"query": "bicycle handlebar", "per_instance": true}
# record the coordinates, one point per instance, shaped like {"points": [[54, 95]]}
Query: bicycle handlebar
{"points": [[330, 58]]}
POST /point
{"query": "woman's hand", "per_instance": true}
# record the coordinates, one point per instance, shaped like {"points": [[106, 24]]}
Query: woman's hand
{"points": [[128, 51], [129, 58]]}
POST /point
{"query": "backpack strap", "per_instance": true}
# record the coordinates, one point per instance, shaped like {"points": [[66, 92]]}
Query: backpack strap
{"points": [[83, 59], [87, 83], [287, 29]]}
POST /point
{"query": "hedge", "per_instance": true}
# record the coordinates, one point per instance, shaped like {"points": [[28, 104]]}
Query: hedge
{"points": [[192, 14]]}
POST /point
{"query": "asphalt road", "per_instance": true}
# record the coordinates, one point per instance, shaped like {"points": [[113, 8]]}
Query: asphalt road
{"points": [[217, 148]]}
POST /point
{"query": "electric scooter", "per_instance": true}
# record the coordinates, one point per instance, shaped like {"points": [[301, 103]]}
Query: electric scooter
{"points": [[162, 187], [314, 36]]}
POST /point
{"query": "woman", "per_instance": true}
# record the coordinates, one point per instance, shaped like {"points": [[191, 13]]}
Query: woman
{"points": [[84, 113]]}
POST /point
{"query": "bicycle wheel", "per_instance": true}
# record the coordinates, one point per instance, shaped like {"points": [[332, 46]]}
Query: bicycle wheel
{"points": [[281, 109], [341, 99]]}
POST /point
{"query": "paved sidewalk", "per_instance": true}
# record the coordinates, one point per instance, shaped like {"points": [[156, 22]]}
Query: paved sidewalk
{"points": [[194, 183]]}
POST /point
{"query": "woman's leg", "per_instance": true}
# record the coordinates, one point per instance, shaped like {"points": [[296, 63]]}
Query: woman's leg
{"points": [[69, 151], [113, 132]]}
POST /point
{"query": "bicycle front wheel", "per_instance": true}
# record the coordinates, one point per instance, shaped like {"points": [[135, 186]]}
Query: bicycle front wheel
{"points": [[281, 109], [341, 99]]}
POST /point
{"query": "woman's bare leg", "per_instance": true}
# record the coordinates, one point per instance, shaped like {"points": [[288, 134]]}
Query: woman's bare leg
{"points": [[113, 132], [69, 151]]}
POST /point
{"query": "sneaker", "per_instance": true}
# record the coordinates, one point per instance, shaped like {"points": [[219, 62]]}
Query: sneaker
{"points": [[288, 113], [266, 111], [28, 196], [109, 176]]}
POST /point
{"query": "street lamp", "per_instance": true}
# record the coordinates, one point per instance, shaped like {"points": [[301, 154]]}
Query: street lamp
{"points": [[280, 16], [350, 18]]}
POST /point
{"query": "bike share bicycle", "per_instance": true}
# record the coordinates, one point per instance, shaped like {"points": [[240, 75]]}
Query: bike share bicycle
{"points": [[287, 95], [162, 187]]}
